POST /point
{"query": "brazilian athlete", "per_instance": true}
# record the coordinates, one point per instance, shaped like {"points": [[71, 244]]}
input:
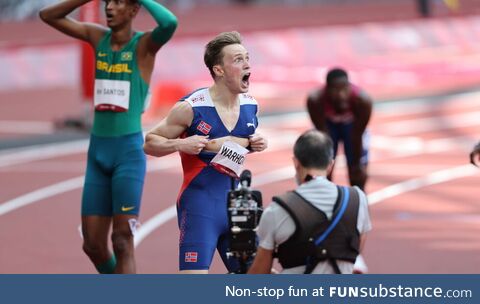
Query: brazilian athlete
{"points": [[116, 161], [211, 129], [343, 110]]}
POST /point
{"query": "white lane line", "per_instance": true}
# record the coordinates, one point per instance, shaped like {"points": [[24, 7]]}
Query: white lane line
{"points": [[40, 194], [153, 223], [437, 177], [400, 108], [413, 145], [72, 166], [402, 169], [23, 155], [18, 156], [53, 150], [164, 216], [287, 120], [288, 172], [70, 185], [263, 179], [153, 164], [436, 123], [26, 127]]}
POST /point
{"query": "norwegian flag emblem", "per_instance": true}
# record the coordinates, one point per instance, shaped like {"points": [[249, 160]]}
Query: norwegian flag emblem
{"points": [[204, 127], [191, 257]]}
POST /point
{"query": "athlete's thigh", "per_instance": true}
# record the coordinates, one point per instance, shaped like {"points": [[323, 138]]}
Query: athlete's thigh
{"points": [[126, 195], [200, 227], [95, 229], [97, 195], [202, 218], [198, 239], [348, 145], [127, 184], [335, 134]]}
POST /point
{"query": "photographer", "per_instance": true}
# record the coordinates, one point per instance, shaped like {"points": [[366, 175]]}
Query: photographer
{"points": [[281, 235]]}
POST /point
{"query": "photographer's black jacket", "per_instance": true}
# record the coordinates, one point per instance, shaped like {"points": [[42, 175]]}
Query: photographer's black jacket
{"points": [[343, 243]]}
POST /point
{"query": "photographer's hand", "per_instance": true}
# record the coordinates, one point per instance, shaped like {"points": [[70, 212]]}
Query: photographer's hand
{"points": [[263, 262], [258, 143]]}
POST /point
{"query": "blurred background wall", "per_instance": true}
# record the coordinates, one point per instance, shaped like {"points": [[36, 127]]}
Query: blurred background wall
{"points": [[395, 49]]}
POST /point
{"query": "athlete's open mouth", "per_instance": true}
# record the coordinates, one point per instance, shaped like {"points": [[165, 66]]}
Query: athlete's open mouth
{"points": [[109, 16], [246, 79]]}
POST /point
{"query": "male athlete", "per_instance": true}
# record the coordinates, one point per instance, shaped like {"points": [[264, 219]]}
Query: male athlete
{"points": [[116, 162], [213, 129], [343, 111]]}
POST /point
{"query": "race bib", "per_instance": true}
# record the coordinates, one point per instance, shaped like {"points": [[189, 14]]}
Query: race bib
{"points": [[112, 95], [229, 160]]}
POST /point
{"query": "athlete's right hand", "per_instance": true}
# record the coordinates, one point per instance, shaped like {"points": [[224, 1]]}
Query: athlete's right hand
{"points": [[193, 144]]}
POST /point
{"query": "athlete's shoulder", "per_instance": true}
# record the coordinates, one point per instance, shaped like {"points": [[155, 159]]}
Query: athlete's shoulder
{"points": [[247, 99], [137, 36], [198, 98], [180, 114], [360, 96], [315, 98], [357, 91], [104, 34], [316, 95]]}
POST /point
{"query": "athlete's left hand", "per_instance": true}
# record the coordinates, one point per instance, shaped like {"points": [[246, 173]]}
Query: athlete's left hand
{"points": [[258, 142]]}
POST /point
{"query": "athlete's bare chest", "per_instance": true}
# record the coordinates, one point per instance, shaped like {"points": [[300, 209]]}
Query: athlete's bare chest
{"points": [[229, 117]]}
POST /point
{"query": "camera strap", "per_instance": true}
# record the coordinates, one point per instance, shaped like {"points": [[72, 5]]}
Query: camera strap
{"points": [[344, 198]]}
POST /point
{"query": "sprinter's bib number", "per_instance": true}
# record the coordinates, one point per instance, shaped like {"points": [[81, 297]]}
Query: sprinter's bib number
{"points": [[112, 95], [229, 160]]}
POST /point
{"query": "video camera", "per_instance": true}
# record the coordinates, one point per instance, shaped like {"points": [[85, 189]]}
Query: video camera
{"points": [[244, 208]]}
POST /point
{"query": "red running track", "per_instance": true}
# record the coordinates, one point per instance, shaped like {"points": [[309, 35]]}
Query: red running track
{"points": [[423, 194]]}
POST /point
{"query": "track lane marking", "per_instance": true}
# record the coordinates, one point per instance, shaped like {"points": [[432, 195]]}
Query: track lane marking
{"points": [[285, 173]]}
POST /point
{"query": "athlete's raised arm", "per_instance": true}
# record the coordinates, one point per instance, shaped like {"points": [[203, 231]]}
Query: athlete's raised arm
{"points": [[56, 15], [166, 26], [153, 40], [164, 138]]}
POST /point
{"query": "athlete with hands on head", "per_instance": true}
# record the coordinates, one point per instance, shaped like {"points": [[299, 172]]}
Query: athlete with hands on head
{"points": [[116, 162]]}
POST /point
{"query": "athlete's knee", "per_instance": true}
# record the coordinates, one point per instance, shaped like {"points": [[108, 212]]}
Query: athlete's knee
{"points": [[122, 241], [94, 248]]}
